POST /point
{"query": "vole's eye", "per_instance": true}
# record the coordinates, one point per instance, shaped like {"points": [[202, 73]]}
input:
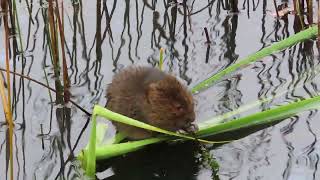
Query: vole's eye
{"points": [[178, 108]]}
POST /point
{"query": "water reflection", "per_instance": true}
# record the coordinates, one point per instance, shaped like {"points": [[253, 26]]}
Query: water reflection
{"points": [[161, 161], [105, 36]]}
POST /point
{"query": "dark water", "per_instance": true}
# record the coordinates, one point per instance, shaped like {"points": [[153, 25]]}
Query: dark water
{"points": [[100, 42]]}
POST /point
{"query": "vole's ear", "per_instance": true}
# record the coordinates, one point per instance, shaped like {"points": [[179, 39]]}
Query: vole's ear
{"points": [[152, 91]]}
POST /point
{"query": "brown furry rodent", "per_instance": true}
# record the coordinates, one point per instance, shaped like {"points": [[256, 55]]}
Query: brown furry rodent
{"points": [[151, 96]]}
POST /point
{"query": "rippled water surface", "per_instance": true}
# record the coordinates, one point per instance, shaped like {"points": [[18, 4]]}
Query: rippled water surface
{"points": [[102, 37]]}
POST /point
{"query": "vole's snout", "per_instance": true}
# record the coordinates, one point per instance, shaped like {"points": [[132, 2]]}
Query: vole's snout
{"points": [[191, 128], [190, 119]]}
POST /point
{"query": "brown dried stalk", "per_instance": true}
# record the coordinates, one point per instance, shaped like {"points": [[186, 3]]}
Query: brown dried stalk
{"points": [[6, 100], [66, 83]]}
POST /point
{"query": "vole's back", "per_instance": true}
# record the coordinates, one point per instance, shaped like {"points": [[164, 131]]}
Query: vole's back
{"points": [[151, 96], [133, 81], [126, 95]]}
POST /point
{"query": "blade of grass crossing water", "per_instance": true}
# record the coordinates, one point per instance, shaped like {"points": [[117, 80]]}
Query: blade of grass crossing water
{"points": [[273, 115], [108, 151], [248, 106], [268, 116], [101, 111], [290, 41]]}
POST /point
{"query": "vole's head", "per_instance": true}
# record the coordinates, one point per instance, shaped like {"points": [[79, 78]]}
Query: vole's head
{"points": [[170, 105]]}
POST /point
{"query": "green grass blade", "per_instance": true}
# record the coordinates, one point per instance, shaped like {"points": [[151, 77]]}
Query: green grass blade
{"points": [[90, 154], [218, 119], [101, 111], [290, 41], [265, 117], [116, 139], [108, 151]]}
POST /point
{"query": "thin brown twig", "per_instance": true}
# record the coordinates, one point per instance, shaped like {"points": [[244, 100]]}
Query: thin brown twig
{"points": [[48, 87]]}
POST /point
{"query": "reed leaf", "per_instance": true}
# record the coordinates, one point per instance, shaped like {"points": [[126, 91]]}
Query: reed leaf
{"points": [[281, 45], [113, 116], [248, 106], [274, 115]]}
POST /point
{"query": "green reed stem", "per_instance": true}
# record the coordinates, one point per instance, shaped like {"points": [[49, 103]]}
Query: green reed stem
{"points": [[275, 47]]}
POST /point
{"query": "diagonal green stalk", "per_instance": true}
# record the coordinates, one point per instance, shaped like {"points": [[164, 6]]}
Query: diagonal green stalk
{"points": [[272, 115], [281, 45], [246, 107], [101, 111], [265, 117]]}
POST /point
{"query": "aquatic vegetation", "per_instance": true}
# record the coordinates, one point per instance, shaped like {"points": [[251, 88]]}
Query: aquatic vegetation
{"points": [[206, 129]]}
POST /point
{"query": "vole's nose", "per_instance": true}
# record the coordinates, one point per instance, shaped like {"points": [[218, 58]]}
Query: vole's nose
{"points": [[190, 118]]}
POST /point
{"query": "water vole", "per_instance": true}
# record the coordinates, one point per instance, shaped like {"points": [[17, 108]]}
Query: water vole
{"points": [[151, 96]]}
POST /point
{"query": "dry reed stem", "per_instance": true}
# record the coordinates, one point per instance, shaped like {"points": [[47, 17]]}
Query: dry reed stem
{"points": [[6, 30], [53, 36], [8, 115], [6, 100], [64, 62], [299, 8]]}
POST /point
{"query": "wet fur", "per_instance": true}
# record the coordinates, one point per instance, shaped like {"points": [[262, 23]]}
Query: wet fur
{"points": [[151, 96]]}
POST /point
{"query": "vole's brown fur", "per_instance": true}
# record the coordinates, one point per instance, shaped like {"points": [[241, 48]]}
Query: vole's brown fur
{"points": [[151, 96]]}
